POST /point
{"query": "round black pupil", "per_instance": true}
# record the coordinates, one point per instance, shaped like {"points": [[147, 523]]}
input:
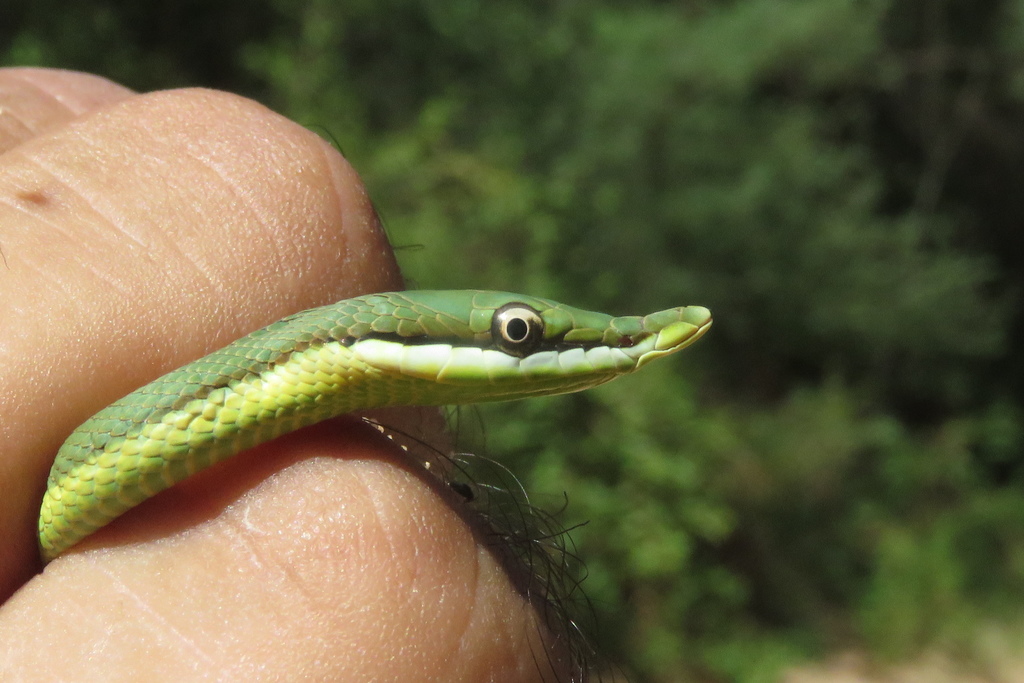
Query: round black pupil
{"points": [[517, 329]]}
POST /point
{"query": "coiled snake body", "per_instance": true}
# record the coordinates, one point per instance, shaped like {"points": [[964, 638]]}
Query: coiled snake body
{"points": [[400, 348]]}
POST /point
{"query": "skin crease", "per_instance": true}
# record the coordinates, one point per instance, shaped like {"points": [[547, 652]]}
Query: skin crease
{"points": [[143, 231]]}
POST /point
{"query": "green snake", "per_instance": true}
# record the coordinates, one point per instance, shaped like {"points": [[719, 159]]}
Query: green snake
{"points": [[398, 348]]}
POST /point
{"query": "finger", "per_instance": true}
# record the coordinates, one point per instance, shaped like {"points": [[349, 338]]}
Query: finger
{"points": [[295, 599], [144, 235], [35, 101]]}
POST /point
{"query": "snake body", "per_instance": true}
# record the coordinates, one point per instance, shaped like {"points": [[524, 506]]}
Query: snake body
{"points": [[399, 348]]}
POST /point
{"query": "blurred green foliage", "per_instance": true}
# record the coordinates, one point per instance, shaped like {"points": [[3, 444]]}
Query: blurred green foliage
{"points": [[839, 463]]}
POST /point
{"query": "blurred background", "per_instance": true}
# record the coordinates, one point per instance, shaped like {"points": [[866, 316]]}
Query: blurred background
{"points": [[837, 466]]}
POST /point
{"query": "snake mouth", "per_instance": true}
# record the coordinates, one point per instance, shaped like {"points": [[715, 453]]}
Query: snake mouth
{"points": [[692, 323]]}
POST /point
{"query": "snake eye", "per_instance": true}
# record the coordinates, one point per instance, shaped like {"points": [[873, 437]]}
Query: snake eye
{"points": [[517, 329]]}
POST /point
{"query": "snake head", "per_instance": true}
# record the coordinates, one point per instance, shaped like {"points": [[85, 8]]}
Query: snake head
{"points": [[485, 346]]}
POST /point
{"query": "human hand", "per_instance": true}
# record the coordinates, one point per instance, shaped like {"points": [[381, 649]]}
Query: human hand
{"points": [[139, 232]]}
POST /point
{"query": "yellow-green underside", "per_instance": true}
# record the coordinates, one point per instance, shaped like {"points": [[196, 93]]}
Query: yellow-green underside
{"points": [[101, 472]]}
